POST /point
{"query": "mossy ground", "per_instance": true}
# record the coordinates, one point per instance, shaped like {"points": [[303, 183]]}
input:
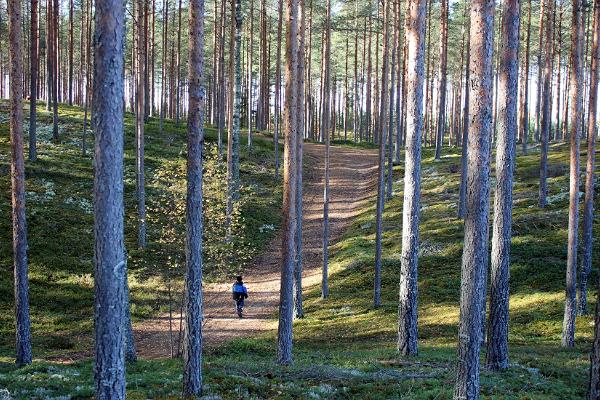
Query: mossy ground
{"points": [[346, 349]]}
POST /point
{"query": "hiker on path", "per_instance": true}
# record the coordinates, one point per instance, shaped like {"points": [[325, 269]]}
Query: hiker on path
{"points": [[240, 293]]}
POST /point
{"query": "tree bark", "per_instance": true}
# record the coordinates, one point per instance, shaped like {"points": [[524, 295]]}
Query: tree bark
{"points": [[497, 342], [33, 79], [588, 205], [298, 308], [110, 260], [278, 88], [23, 325], [576, 97], [289, 225], [235, 88], [70, 97], [538, 95], [475, 250], [139, 125], [383, 106], [325, 134], [544, 129], [465, 130], [407, 308], [441, 122], [524, 126], [192, 350]]}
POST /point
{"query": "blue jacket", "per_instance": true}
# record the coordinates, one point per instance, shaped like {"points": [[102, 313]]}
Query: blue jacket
{"points": [[239, 291]]}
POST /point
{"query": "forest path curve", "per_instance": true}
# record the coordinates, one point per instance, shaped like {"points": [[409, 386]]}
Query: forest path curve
{"points": [[353, 174]]}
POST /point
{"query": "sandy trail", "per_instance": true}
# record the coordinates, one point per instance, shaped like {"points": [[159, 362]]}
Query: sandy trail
{"points": [[352, 180]]}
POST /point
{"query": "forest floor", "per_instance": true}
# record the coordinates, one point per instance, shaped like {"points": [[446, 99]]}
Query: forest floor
{"points": [[352, 181]]}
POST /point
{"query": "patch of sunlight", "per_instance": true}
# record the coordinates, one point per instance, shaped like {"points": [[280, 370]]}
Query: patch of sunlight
{"points": [[534, 300], [439, 315]]}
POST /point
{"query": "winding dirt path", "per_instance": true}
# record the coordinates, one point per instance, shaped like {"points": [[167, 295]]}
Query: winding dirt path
{"points": [[352, 181]]}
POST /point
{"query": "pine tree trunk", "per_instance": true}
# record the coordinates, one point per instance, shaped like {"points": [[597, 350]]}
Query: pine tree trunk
{"points": [[235, 88], [22, 322], [33, 56], [70, 97], [55, 67], [178, 64], [441, 122], [278, 87], [163, 68], [399, 81], [544, 129], [497, 342], [381, 159], [369, 84], [192, 349], [221, 101], [298, 308], [576, 100], [139, 125], [289, 224], [110, 263], [390, 95], [250, 57], [588, 208], [407, 308], [538, 95], [465, 130], [524, 125], [325, 134], [475, 250]]}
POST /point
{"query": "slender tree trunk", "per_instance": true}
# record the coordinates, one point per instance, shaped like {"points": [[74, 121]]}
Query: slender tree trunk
{"points": [[588, 207], [544, 129], [400, 100], [524, 126], [33, 56], [55, 67], [23, 325], [110, 263], [497, 342], [49, 53], [278, 87], [465, 130], [576, 96], [325, 134], [407, 308], [222, 104], [70, 98], [298, 308], [390, 95], [178, 64], [250, 57], [558, 56], [235, 88], [288, 248], [441, 122], [192, 350], [139, 125], [381, 160], [538, 95], [369, 84], [163, 68], [475, 250]]}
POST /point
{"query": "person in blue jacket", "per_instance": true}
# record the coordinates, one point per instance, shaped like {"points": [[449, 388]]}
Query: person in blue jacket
{"points": [[240, 293]]}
